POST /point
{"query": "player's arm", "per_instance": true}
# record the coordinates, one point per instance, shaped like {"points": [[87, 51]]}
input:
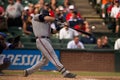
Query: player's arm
{"points": [[49, 18], [43, 18]]}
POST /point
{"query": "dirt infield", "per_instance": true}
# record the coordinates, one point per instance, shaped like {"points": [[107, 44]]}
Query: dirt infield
{"points": [[51, 76], [54, 77]]}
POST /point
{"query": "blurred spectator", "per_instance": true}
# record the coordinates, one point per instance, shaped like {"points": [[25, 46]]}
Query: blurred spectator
{"points": [[67, 33], [25, 13], [30, 9], [117, 29], [53, 4], [2, 42], [113, 20], [104, 2], [117, 44], [27, 17], [2, 11], [106, 7], [41, 2], [14, 12], [76, 22], [98, 6], [88, 39], [107, 10], [105, 42], [66, 3], [14, 42], [117, 19], [115, 9], [109, 7], [4, 62], [51, 12], [75, 43], [60, 15], [69, 14], [99, 44], [57, 12], [93, 2], [3, 22]]}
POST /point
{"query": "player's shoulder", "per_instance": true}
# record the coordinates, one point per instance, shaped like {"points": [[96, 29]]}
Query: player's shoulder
{"points": [[35, 17]]}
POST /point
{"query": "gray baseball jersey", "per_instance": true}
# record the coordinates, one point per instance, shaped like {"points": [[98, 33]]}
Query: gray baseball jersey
{"points": [[40, 28]]}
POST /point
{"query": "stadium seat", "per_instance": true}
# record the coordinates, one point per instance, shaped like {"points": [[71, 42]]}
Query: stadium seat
{"points": [[25, 39], [30, 45], [55, 40], [112, 41], [99, 34], [56, 45], [89, 46], [63, 46], [65, 41], [15, 30]]}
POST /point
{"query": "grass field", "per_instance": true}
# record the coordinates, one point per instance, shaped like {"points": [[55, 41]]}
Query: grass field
{"points": [[53, 75]]}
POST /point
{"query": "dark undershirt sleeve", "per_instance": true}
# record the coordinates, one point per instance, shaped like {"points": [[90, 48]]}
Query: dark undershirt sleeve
{"points": [[41, 18]]}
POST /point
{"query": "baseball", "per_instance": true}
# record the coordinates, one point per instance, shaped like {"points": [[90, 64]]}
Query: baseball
{"points": [[93, 27]]}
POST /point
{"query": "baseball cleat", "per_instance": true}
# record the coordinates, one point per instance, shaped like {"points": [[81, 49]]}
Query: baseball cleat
{"points": [[25, 73], [70, 75]]}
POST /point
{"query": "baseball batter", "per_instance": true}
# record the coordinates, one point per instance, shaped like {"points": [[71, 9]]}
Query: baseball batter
{"points": [[42, 31]]}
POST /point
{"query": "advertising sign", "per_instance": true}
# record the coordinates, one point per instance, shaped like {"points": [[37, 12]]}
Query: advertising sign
{"points": [[23, 59]]}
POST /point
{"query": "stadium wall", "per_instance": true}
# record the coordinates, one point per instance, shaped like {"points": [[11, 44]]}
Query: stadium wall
{"points": [[90, 60], [75, 60]]}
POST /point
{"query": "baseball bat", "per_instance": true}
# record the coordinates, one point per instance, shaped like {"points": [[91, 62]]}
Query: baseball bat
{"points": [[83, 32]]}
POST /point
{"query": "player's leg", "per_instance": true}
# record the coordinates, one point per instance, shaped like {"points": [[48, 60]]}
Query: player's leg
{"points": [[35, 67], [48, 51]]}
